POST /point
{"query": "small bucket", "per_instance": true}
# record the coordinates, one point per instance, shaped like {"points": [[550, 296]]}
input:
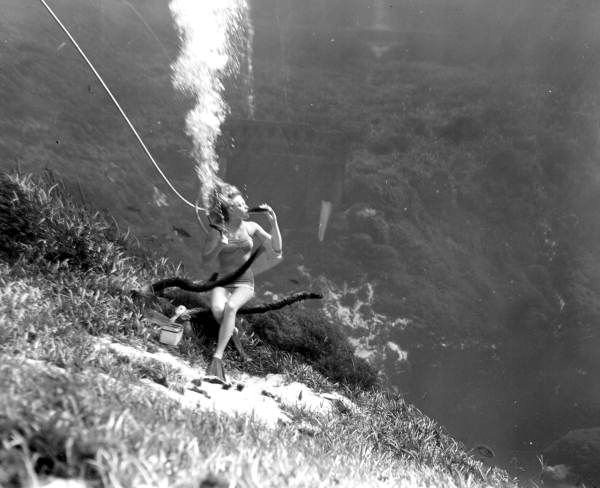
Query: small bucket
{"points": [[171, 334]]}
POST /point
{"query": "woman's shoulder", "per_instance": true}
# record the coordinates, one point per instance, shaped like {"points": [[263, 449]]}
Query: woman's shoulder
{"points": [[249, 226], [255, 230]]}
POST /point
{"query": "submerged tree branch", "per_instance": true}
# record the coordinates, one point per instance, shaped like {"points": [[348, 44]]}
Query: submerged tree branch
{"points": [[284, 302], [189, 285], [263, 307]]}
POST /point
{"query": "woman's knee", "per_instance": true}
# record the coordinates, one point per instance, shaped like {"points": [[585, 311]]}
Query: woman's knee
{"points": [[218, 312], [230, 308], [218, 298]]}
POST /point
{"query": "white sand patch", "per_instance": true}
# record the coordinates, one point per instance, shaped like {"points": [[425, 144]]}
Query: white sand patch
{"points": [[61, 483], [213, 398], [295, 394], [263, 399]]}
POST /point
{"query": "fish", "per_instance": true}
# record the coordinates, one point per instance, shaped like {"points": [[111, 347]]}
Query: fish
{"points": [[181, 232], [483, 451]]}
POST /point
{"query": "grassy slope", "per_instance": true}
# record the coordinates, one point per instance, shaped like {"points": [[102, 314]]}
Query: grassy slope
{"points": [[74, 410]]}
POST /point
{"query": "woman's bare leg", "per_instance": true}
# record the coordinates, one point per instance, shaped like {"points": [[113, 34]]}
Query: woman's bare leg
{"points": [[237, 299], [218, 299], [235, 338]]}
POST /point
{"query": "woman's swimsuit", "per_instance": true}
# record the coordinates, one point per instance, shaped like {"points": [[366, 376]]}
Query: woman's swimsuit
{"points": [[232, 256]]}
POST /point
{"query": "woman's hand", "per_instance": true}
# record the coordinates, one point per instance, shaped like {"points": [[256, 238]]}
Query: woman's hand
{"points": [[270, 214], [275, 233], [224, 240]]}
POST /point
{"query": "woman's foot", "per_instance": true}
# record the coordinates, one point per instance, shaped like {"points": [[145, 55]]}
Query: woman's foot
{"points": [[215, 373]]}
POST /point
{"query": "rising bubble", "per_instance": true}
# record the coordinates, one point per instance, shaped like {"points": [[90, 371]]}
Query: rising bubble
{"points": [[209, 31]]}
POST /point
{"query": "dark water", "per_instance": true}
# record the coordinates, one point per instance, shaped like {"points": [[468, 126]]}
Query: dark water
{"points": [[482, 400], [477, 408]]}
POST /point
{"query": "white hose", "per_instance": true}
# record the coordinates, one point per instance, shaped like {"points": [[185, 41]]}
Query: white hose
{"points": [[112, 97]]}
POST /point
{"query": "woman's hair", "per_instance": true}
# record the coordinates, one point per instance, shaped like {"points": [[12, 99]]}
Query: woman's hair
{"points": [[221, 199]]}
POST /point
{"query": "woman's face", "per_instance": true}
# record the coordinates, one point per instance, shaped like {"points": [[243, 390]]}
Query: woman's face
{"points": [[237, 207]]}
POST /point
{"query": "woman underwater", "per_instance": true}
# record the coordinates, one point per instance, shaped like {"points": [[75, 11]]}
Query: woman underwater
{"points": [[232, 245]]}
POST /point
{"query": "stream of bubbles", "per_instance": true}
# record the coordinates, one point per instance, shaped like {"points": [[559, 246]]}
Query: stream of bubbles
{"points": [[215, 41]]}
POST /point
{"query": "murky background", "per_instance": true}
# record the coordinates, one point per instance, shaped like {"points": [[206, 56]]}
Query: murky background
{"points": [[433, 163]]}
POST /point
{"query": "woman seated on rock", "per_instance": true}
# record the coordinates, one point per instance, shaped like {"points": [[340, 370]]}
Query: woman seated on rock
{"points": [[231, 242]]}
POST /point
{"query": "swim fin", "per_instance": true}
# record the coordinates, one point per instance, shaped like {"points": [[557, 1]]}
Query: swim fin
{"points": [[215, 373]]}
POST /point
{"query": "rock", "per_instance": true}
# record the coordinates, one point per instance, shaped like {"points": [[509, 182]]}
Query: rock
{"points": [[573, 459], [214, 481], [309, 429], [396, 360], [341, 403], [392, 349], [199, 391], [270, 395]]}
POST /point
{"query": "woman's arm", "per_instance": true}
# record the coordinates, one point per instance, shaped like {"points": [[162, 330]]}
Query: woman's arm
{"points": [[275, 235], [214, 244]]}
